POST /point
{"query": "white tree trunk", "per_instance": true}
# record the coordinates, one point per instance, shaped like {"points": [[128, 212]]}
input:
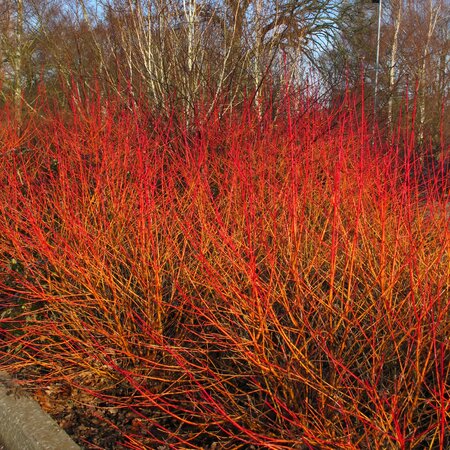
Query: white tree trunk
{"points": [[257, 66], [17, 61], [190, 13], [393, 63], [434, 14]]}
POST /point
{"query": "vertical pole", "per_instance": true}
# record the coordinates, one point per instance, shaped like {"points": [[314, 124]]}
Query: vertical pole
{"points": [[377, 63]]}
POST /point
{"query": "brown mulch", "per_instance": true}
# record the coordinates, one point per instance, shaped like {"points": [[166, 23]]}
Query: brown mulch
{"points": [[95, 424]]}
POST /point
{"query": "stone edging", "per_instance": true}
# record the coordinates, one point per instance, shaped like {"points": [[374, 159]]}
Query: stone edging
{"points": [[24, 425]]}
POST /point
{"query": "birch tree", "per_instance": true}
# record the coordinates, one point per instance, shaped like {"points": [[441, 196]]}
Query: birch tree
{"points": [[433, 14], [397, 7], [17, 59], [193, 47], [12, 48]]}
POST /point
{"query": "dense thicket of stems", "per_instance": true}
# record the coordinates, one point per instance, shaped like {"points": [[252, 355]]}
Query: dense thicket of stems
{"points": [[231, 278]]}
